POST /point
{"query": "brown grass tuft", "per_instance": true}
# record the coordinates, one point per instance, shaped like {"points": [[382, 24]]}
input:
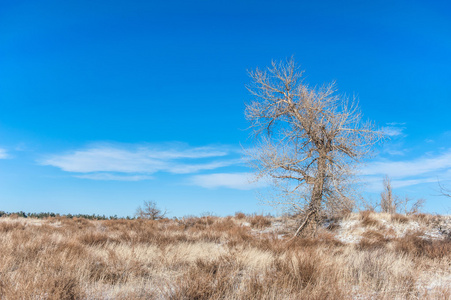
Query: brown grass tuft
{"points": [[239, 215], [399, 218], [414, 244], [7, 227], [367, 219], [94, 239], [372, 240], [259, 221]]}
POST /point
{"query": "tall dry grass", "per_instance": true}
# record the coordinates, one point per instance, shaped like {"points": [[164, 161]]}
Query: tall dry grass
{"points": [[215, 258]]}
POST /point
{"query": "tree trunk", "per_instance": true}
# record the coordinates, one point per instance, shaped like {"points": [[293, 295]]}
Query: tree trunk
{"points": [[312, 220]]}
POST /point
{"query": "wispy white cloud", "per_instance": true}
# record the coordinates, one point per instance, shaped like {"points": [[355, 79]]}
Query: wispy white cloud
{"points": [[415, 167], [396, 123], [3, 154], [110, 176], [179, 168], [239, 181], [98, 161], [106, 159], [393, 130], [374, 183], [397, 183], [395, 149], [404, 173]]}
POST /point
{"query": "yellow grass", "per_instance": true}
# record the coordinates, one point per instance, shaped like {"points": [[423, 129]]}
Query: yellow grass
{"points": [[221, 258]]}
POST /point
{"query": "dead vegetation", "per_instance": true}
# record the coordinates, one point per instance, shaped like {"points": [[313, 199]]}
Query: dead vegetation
{"points": [[365, 256]]}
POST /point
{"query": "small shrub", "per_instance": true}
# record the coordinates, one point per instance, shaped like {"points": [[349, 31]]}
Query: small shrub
{"points": [[72, 249], [82, 222], [239, 215], [399, 218], [6, 227], [224, 224], [65, 287], [415, 245], [14, 216], [188, 221], [239, 235], [260, 222], [207, 220], [367, 220], [206, 280], [299, 270], [411, 243], [94, 239], [372, 240], [438, 249]]}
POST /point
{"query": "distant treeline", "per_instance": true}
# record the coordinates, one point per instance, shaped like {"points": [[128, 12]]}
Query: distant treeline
{"points": [[43, 215]]}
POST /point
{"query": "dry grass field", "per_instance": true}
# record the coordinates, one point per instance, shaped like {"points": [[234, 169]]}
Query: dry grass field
{"points": [[363, 256]]}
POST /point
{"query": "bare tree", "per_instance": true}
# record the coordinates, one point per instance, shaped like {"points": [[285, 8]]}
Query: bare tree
{"points": [[308, 141], [392, 203], [150, 211], [389, 201]]}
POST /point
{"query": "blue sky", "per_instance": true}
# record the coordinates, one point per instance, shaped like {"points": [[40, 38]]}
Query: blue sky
{"points": [[105, 104]]}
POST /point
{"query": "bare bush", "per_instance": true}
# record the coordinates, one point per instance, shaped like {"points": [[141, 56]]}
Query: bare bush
{"points": [[239, 215], [259, 221], [150, 211], [392, 204], [388, 201]]}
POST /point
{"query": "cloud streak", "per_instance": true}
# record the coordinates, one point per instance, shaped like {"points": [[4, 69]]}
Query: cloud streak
{"points": [[394, 129], [239, 181], [3, 154], [419, 166], [405, 173], [110, 176], [137, 162]]}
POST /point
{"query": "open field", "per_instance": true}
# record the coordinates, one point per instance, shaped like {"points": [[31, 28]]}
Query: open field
{"points": [[363, 256]]}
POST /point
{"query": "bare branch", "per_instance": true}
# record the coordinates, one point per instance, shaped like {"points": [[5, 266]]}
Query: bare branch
{"points": [[444, 191]]}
